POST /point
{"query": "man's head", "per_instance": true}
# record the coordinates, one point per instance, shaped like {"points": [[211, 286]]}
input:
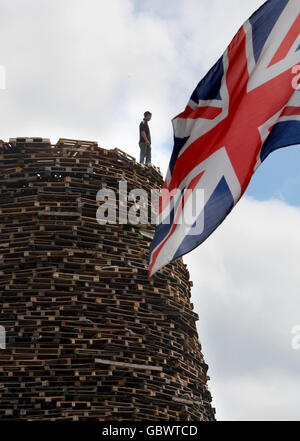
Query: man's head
{"points": [[147, 115]]}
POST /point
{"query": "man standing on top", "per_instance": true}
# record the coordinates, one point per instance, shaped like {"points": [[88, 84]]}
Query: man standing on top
{"points": [[145, 139]]}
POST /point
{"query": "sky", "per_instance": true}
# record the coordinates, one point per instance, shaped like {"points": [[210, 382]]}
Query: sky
{"points": [[88, 70]]}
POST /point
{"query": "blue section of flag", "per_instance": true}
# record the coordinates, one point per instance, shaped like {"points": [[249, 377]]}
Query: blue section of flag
{"points": [[263, 21], [283, 134], [178, 144], [209, 86], [220, 202]]}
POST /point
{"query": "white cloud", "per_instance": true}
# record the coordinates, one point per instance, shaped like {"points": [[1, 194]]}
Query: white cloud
{"points": [[85, 70], [246, 292], [89, 69], [268, 396]]}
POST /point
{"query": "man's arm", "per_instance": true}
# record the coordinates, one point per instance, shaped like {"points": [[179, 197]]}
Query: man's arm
{"points": [[143, 133]]}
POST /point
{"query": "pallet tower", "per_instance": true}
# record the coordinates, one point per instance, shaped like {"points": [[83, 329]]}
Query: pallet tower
{"points": [[88, 335]]}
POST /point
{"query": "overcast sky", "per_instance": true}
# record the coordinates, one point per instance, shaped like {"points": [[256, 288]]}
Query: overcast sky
{"points": [[88, 69]]}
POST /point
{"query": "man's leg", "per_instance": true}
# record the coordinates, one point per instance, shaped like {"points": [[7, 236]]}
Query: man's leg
{"points": [[142, 152], [148, 154]]}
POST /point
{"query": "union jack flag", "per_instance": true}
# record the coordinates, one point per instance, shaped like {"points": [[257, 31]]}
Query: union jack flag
{"points": [[247, 106]]}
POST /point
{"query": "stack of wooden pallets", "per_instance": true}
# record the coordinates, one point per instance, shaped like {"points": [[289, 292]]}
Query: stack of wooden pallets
{"points": [[88, 335]]}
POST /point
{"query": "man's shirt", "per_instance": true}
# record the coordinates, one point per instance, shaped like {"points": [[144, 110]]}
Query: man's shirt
{"points": [[144, 126]]}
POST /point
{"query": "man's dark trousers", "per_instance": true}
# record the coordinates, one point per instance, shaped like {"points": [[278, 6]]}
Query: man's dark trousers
{"points": [[145, 153]]}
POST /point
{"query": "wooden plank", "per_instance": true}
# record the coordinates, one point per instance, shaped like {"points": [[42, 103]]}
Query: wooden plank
{"points": [[129, 365]]}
